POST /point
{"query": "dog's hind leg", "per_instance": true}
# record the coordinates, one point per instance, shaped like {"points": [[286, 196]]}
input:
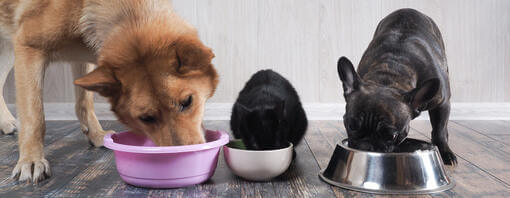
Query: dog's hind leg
{"points": [[29, 67], [439, 119], [85, 107], [7, 121]]}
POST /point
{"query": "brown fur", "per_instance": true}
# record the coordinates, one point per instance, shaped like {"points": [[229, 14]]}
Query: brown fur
{"points": [[150, 62]]}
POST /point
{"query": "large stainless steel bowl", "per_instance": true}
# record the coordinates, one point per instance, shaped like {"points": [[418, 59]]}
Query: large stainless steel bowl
{"points": [[418, 172]]}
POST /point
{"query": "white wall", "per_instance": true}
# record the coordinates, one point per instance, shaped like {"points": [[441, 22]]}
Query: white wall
{"points": [[302, 39]]}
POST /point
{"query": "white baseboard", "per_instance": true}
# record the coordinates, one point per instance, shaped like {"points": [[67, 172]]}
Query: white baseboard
{"points": [[314, 111]]}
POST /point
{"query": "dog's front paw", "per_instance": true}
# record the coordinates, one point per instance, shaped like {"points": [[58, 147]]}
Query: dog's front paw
{"points": [[32, 170], [448, 156], [96, 138], [8, 126]]}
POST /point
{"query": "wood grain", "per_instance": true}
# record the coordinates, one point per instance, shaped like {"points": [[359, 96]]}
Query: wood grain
{"points": [[505, 139], [80, 170], [491, 156], [488, 127], [66, 155], [467, 177]]}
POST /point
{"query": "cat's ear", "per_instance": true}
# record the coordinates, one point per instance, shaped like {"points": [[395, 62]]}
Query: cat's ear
{"points": [[280, 109], [242, 109]]}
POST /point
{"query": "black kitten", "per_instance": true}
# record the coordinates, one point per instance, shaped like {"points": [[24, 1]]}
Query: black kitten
{"points": [[268, 113]]}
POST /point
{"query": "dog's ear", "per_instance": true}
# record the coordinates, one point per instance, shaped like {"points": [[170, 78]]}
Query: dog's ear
{"points": [[350, 79], [423, 93], [100, 80], [192, 55]]}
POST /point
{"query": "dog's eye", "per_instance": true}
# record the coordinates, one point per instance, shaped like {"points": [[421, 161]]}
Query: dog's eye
{"points": [[185, 104], [147, 119]]}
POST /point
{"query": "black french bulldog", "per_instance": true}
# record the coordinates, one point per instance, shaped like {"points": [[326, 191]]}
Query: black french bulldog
{"points": [[402, 73], [268, 113]]}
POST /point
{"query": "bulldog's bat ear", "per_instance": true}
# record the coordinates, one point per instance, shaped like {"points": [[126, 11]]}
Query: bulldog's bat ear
{"points": [[422, 94], [350, 79], [192, 54], [100, 80]]}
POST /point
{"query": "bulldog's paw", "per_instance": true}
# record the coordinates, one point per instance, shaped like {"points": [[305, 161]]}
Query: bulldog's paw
{"points": [[32, 170], [8, 126], [448, 156], [96, 138]]}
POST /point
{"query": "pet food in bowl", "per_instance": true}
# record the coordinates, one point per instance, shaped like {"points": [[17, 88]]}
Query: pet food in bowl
{"points": [[141, 163]]}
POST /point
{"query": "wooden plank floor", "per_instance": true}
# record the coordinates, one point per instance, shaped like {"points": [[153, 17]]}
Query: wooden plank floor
{"points": [[79, 170]]}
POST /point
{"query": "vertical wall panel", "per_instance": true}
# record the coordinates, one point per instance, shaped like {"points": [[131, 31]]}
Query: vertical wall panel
{"points": [[287, 37], [58, 85], [303, 39], [346, 30], [215, 26], [505, 41], [473, 31], [335, 40], [243, 36], [230, 29]]}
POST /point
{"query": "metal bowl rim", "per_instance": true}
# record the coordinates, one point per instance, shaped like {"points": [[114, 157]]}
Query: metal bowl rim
{"points": [[373, 153], [449, 186]]}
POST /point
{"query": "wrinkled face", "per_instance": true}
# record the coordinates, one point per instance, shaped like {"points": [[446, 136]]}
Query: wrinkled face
{"points": [[376, 119], [159, 95], [262, 129]]}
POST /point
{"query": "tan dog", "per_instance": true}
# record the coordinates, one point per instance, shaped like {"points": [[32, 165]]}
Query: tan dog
{"points": [[152, 67]]}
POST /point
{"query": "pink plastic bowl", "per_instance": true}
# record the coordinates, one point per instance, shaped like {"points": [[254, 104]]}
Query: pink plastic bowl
{"points": [[141, 163]]}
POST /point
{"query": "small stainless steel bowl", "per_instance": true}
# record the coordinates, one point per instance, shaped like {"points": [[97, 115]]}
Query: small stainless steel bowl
{"points": [[418, 172]]}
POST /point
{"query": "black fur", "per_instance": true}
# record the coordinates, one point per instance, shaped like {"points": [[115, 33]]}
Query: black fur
{"points": [[268, 113], [402, 73]]}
